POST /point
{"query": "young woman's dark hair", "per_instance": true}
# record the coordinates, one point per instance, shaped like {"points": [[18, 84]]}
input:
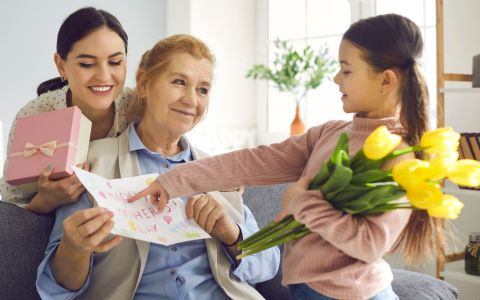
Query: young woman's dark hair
{"points": [[398, 51], [76, 26]]}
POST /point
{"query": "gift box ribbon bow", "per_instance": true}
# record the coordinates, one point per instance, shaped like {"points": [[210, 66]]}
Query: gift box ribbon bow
{"points": [[46, 149]]}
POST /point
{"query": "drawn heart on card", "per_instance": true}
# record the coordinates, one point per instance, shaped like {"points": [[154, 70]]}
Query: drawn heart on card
{"points": [[102, 194], [167, 219]]}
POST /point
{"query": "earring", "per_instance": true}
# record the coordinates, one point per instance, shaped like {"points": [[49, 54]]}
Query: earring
{"points": [[63, 79]]}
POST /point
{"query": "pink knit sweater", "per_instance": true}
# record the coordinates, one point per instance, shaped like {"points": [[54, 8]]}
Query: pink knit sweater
{"points": [[342, 257]]}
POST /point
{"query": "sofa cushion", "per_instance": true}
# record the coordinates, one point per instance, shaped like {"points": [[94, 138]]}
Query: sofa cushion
{"points": [[265, 203], [412, 285], [22, 245]]}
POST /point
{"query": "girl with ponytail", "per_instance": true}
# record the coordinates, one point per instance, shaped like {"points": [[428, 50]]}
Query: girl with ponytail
{"points": [[341, 258], [91, 60]]}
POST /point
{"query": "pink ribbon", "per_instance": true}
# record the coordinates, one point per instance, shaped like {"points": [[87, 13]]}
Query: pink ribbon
{"points": [[46, 149]]}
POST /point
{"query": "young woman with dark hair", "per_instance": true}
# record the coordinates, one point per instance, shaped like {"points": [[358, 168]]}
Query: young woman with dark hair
{"points": [[91, 60]]}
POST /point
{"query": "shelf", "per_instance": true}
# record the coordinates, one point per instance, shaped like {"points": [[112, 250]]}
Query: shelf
{"points": [[469, 90], [458, 273], [451, 188]]}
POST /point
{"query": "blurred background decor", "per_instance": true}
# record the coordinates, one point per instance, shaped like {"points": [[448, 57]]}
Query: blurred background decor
{"points": [[296, 72]]}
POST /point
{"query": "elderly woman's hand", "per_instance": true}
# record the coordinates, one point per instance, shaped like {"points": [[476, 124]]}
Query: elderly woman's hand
{"points": [[85, 230], [211, 217]]}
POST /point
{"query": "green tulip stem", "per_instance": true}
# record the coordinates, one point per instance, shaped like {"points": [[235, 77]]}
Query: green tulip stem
{"points": [[288, 236], [387, 207], [401, 152], [268, 230], [273, 241], [282, 230]]}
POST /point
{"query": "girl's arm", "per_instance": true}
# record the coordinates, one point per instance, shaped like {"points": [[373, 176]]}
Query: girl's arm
{"points": [[278, 163], [364, 238]]}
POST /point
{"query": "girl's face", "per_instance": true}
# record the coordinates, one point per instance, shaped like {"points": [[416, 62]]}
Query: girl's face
{"points": [[95, 69], [176, 99], [360, 85]]}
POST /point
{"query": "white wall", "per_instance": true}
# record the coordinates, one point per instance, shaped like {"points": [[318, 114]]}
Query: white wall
{"points": [[28, 32], [462, 42]]}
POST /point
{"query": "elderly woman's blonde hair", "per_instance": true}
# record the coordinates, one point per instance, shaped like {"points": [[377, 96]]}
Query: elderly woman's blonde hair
{"points": [[155, 60]]}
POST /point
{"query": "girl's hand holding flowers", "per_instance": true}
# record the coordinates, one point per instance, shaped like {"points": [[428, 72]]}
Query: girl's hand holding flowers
{"points": [[359, 186], [290, 195]]}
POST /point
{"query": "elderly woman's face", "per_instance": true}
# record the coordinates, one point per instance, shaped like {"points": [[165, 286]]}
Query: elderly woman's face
{"points": [[178, 96]]}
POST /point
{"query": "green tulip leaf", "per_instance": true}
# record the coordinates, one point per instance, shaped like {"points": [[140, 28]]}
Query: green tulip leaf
{"points": [[321, 177], [339, 178], [373, 175]]}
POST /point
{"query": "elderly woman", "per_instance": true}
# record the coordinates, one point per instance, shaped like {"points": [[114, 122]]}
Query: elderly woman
{"points": [[82, 259]]}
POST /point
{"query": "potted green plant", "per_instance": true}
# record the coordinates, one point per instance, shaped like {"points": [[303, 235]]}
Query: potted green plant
{"points": [[296, 72]]}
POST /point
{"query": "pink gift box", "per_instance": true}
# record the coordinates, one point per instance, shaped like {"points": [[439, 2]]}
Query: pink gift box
{"points": [[59, 138]]}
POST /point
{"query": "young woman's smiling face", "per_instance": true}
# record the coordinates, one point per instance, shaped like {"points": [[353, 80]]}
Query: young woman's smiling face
{"points": [[95, 69]]}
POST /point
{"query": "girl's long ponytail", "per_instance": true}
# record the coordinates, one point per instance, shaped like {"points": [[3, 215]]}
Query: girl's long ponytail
{"points": [[414, 106]]}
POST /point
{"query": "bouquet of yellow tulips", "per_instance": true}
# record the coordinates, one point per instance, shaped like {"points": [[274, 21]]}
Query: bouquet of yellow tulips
{"points": [[358, 186]]}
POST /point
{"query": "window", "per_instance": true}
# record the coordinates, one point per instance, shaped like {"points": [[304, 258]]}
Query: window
{"points": [[322, 23], [318, 23]]}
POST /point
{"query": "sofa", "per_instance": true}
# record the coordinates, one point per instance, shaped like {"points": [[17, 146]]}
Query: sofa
{"points": [[25, 235]]}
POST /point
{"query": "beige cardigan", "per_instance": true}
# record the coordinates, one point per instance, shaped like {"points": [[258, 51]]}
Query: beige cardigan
{"points": [[116, 274]]}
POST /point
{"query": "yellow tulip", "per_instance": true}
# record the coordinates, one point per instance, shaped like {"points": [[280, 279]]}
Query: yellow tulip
{"points": [[449, 208], [441, 164], [465, 172], [410, 172], [440, 140], [380, 143], [425, 195]]}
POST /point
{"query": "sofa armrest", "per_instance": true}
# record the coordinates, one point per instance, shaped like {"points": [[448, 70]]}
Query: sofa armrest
{"points": [[412, 285]]}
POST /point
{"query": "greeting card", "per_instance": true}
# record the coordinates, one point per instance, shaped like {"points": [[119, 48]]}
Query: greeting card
{"points": [[141, 220]]}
